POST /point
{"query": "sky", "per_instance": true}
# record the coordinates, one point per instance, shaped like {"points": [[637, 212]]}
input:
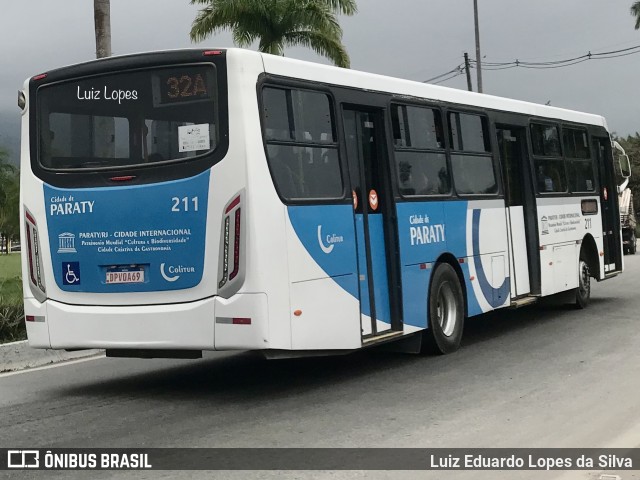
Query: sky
{"points": [[413, 39]]}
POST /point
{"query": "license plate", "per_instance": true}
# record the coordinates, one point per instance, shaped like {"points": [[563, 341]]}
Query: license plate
{"points": [[128, 276]]}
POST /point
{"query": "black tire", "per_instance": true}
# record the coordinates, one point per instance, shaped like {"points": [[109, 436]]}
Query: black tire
{"points": [[583, 292], [445, 312], [632, 244]]}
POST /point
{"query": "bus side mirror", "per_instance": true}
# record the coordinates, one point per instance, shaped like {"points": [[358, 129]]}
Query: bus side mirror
{"points": [[625, 166]]}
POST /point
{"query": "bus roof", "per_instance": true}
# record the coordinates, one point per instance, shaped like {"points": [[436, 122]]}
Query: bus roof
{"points": [[328, 74], [352, 78]]}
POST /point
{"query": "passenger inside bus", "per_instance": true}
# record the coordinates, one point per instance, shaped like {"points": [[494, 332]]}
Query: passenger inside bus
{"points": [[545, 182]]}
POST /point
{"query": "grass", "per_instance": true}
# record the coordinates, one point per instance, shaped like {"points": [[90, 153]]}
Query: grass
{"points": [[10, 266], [12, 326]]}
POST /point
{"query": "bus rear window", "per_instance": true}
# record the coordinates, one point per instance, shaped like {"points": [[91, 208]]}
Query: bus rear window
{"points": [[128, 119]]}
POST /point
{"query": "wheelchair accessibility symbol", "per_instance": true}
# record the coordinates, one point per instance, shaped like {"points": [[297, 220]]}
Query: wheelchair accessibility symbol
{"points": [[71, 273]]}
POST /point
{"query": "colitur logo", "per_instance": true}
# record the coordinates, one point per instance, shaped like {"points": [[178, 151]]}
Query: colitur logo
{"points": [[165, 276], [330, 239], [172, 270]]}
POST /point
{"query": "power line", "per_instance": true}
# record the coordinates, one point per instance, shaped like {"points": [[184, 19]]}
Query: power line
{"points": [[569, 61], [574, 52], [494, 66], [447, 79], [455, 70]]}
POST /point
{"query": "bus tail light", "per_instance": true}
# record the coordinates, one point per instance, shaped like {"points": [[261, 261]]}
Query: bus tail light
{"points": [[231, 248], [236, 246], [34, 259]]}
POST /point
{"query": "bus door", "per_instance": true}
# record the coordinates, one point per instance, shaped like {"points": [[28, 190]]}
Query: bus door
{"points": [[366, 157], [609, 205], [520, 203]]}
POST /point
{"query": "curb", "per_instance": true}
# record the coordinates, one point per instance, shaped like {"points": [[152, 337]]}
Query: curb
{"points": [[19, 356]]}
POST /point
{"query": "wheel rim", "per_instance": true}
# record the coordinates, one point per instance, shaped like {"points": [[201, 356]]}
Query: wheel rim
{"points": [[446, 309], [585, 280]]}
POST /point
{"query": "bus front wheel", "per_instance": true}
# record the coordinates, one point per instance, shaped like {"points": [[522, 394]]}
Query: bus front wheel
{"points": [[446, 312]]}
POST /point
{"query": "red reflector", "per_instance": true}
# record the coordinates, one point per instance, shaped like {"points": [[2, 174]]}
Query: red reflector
{"points": [[241, 321], [208, 53], [39, 77], [124, 178], [232, 205], [461, 260], [423, 266], [30, 218], [30, 318]]}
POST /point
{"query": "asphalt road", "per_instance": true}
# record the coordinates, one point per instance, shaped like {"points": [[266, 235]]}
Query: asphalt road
{"points": [[536, 377]]}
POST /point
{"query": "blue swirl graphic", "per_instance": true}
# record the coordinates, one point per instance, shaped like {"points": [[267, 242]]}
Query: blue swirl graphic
{"points": [[495, 296]]}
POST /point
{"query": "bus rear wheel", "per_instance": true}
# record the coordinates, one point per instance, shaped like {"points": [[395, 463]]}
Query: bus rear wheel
{"points": [[446, 312], [583, 292]]}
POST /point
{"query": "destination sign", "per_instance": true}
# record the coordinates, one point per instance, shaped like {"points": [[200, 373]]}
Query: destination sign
{"points": [[184, 85]]}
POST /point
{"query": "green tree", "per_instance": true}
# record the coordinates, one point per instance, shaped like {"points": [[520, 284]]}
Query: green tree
{"points": [[635, 11], [277, 24], [9, 199]]}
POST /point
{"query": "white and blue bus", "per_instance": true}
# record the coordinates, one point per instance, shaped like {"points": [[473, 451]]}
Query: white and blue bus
{"points": [[192, 200]]}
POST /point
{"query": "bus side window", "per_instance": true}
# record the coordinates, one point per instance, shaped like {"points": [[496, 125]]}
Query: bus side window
{"points": [[274, 111], [302, 151], [282, 161], [550, 176], [421, 164], [471, 159], [580, 171], [550, 168]]}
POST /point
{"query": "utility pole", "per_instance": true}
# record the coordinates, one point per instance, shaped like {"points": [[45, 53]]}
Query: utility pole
{"points": [[478, 59], [468, 70], [104, 143], [102, 18]]}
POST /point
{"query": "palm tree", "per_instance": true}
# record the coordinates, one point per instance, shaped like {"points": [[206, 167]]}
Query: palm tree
{"points": [[102, 22], [277, 24]]}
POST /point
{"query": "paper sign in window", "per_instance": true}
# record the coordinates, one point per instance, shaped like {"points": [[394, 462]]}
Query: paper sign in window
{"points": [[193, 137]]}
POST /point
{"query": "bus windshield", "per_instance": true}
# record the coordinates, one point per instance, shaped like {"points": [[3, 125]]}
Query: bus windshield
{"points": [[128, 119]]}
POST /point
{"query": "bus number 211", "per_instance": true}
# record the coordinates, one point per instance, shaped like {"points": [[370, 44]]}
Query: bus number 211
{"points": [[184, 203]]}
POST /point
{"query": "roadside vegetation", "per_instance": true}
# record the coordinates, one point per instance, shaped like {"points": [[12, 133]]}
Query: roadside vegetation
{"points": [[12, 325], [11, 308], [9, 200]]}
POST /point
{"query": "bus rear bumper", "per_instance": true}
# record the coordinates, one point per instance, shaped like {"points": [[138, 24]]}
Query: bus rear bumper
{"points": [[209, 324], [182, 326]]}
